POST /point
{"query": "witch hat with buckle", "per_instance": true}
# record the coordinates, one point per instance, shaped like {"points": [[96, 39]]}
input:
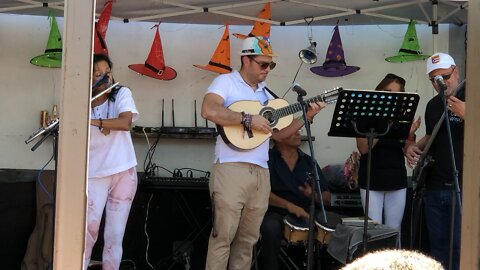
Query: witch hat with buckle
{"points": [[260, 29], [334, 65], [101, 26], [52, 57], [410, 50], [155, 64], [220, 61]]}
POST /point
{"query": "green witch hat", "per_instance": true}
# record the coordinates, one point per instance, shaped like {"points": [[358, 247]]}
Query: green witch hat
{"points": [[410, 50], [52, 57]]}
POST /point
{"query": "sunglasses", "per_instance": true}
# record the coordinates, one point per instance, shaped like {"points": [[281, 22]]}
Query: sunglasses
{"points": [[445, 77], [265, 65]]}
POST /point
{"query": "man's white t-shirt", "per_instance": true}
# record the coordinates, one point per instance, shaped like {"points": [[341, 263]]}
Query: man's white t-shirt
{"points": [[231, 87], [113, 153]]}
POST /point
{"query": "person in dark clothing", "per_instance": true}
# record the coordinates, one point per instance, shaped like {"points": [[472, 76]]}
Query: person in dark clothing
{"points": [[440, 188], [290, 194], [388, 181]]}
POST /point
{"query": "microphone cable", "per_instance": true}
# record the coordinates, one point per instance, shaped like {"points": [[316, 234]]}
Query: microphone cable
{"points": [[294, 78]]}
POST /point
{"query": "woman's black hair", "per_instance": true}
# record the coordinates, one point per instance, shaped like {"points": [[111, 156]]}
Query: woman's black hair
{"points": [[102, 57], [389, 78]]}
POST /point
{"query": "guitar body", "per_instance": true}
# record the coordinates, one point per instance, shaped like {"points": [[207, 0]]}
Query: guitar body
{"points": [[277, 111], [236, 136], [419, 173]]}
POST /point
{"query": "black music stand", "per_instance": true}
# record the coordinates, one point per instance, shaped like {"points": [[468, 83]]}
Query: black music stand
{"points": [[373, 114]]}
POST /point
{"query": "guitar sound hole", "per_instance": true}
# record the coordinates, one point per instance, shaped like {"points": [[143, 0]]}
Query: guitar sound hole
{"points": [[269, 116]]}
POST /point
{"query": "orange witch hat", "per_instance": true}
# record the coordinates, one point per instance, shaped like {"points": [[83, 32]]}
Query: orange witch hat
{"points": [[101, 26], [220, 61], [155, 64], [260, 29]]}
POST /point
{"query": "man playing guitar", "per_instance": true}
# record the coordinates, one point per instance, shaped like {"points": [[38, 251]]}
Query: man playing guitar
{"points": [[240, 183], [439, 184]]}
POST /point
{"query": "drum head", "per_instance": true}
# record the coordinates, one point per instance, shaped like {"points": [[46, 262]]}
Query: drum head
{"points": [[300, 224], [332, 220]]}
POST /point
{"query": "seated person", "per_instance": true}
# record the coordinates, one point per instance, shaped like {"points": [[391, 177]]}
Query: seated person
{"points": [[290, 193]]}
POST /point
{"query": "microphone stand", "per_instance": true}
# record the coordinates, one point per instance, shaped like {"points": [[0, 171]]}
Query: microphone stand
{"points": [[456, 192], [314, 182], [53, 131]]}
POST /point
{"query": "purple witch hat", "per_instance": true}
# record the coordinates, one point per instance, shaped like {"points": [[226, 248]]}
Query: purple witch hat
{"points": [[334, 65]]}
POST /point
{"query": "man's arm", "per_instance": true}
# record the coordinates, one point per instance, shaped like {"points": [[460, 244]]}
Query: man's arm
{"points": [[280, 202], [414, 151], [457, 106], [306, 189], [214, 110]]}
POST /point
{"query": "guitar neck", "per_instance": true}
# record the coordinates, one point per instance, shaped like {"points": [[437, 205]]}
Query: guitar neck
{"points": [[296, 107]]}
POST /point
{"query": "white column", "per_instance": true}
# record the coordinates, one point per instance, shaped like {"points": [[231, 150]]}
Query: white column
{"points": [[69, 235], [470, 248]]}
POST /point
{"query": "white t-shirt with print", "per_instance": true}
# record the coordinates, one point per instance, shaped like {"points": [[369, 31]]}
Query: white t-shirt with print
{"points": [[231, 87], [113, 153]]}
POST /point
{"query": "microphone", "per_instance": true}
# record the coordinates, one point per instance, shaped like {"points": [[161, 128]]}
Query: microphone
{"points": [[103, 79], [300, 91], [439, 80]]}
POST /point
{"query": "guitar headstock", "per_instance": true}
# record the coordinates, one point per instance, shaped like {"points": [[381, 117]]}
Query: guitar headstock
{"points": [[330, 96]]}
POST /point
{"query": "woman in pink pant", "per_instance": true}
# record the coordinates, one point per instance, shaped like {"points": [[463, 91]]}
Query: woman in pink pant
{"points": [[112, 177]]}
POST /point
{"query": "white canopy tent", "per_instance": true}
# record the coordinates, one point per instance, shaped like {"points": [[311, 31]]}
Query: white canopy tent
{"points": [[78, 26], [284, 12]]}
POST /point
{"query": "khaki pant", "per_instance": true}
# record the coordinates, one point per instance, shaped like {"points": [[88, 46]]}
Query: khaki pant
{"points": [[239, 193]]}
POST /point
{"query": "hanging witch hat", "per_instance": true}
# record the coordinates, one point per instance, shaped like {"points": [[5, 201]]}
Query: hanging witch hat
{"points": [[410, 50], [260, 29], [155, 64], [101, 26], [220, 61], [334, 65], [52, 57]]}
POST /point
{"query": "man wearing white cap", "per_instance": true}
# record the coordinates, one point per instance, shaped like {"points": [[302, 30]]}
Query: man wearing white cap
{"points": [[239, 183], [439, 184]]}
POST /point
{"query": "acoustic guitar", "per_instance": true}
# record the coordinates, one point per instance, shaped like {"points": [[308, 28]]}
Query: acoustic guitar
{"points": [[277, 111]]}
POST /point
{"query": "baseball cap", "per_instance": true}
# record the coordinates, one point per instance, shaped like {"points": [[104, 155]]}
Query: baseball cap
{"points": [[439, 60], [257, 46]]}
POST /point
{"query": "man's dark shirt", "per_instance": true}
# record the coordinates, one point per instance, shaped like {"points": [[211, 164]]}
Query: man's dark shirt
{"points": [[441, 174], [285, 183]]}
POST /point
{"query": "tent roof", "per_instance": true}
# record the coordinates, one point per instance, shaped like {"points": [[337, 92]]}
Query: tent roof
{"points": [[284, 12]]}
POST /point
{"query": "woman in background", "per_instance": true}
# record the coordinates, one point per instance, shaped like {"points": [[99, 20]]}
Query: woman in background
{"points": [[112, 176], [388, 177]]}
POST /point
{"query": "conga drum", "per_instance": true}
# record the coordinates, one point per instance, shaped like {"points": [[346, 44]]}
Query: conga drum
{"points": [[295, 230], [324, 231]]}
